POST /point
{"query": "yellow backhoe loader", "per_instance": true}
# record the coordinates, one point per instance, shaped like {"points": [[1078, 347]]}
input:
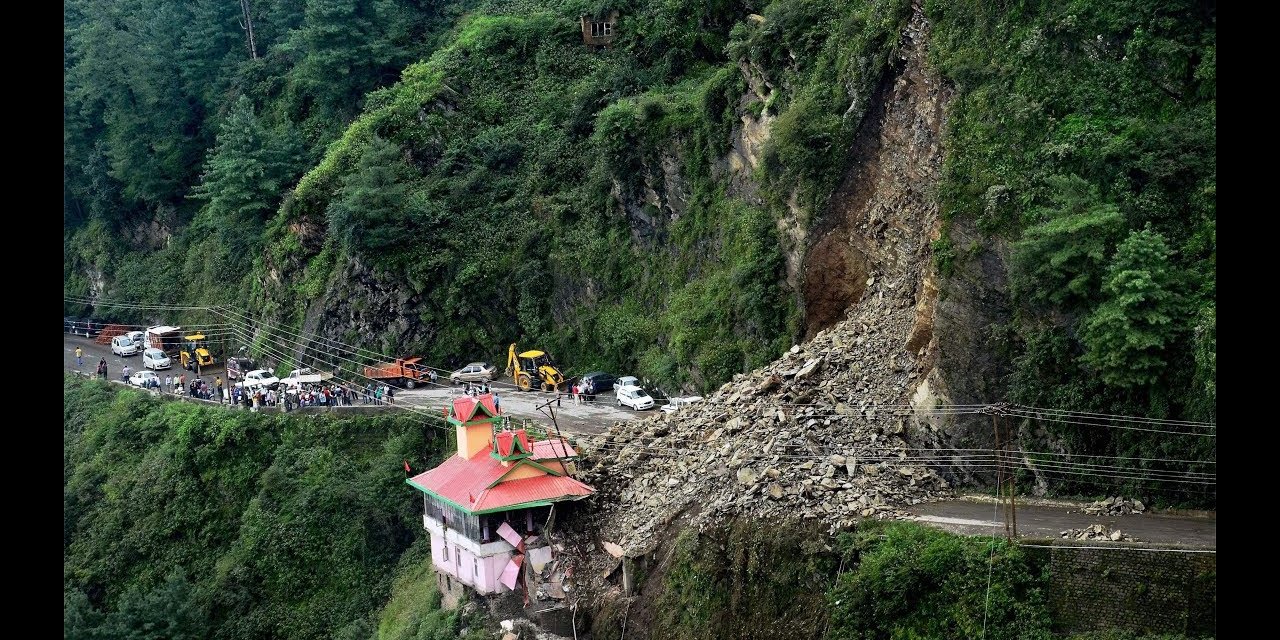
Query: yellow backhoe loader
{"points": [[195, 351], [533, 367]]}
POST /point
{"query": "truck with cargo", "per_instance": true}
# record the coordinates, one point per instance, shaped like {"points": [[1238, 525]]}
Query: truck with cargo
{"points": [[404, 372]]}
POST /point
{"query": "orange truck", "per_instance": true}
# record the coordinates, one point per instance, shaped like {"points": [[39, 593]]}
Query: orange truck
{"points": [[405, 372]]}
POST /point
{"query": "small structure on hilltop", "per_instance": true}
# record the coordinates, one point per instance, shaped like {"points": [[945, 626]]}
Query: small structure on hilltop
{"points": [[597, 32], [486, 504]]}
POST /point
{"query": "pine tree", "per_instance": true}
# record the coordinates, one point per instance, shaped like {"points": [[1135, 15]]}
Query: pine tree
{"points": [[1126, 336], [247, 172], [370, 213], [1060, 260]]}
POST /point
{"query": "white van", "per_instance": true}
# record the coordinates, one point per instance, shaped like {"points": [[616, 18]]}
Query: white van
{"points": [[123, 346], [155, 359]]}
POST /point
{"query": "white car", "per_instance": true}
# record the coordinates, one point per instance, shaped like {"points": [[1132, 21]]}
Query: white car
{"points": [[676, 403], [123, 346], [634, 397], [139, 338], [155, 359], [145, 379], [626, 381], [259, 378]]}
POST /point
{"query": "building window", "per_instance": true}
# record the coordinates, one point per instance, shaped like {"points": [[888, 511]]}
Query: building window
{"points": [[448, 583], [601, 29], [446, 552], [475, 568]]}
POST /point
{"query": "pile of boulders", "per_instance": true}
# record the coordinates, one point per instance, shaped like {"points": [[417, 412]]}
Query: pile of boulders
{"points": [[1115, 506], [822, 433], [1098, 532]]}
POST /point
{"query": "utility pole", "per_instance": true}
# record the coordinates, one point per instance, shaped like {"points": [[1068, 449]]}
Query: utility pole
{"points": [[997, 450], [564, 452], [247, 25], [1003, 454], [1013, 480]]}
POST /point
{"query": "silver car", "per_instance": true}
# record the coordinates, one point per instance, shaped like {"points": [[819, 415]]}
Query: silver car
{"points": [[475, 372], [155, 359]]}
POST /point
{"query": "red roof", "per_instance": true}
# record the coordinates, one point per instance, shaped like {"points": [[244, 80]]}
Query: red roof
{"points": [[466, 483], [506, 440], [547, 449], [465, 407]]}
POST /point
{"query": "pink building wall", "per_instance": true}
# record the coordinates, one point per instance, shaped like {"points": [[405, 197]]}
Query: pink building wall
{"points": [[462, 566]]}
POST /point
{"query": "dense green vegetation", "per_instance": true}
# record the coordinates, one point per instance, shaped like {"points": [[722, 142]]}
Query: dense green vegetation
{"points": [[518, 185], [1085, 134], [747, 580], [183, 521], [915, 582]]}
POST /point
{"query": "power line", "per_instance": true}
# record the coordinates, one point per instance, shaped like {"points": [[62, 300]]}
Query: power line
{"points": [[1117, 417], [1016, 413], [356, 390], [1082, 418]]}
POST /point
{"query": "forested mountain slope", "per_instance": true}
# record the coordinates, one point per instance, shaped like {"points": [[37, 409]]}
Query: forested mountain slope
{"points": [[444, 178]]}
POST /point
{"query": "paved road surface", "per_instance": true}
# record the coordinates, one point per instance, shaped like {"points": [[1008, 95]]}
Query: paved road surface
{"points": [[1035, 521], [590, 417]]}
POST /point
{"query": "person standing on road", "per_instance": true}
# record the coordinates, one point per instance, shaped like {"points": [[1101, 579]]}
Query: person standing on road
{"points": [[497, 403], [577, 397], [217, 382], [391, 394], [125, 373], [79, 357]]}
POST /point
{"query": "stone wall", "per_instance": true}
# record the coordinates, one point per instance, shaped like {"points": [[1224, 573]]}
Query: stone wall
{"points": [[1141, 589]]}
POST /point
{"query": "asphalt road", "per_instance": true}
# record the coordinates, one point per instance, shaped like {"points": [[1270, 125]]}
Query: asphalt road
{"points": [[588, 418], [1041, 521], [115, 364]]}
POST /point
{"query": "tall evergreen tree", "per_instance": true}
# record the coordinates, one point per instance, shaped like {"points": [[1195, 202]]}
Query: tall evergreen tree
{"points": [[1126, 336], [249, 169], [369, 213], [1060, 260]]}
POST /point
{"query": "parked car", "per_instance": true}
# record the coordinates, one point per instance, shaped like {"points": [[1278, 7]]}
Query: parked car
{"points": [[123, 346], [259, 378], [474, 372], [626, 381], [634, 397], [139, 338], [145, 379], [600, 381], [675, 403], [155, 359]]}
